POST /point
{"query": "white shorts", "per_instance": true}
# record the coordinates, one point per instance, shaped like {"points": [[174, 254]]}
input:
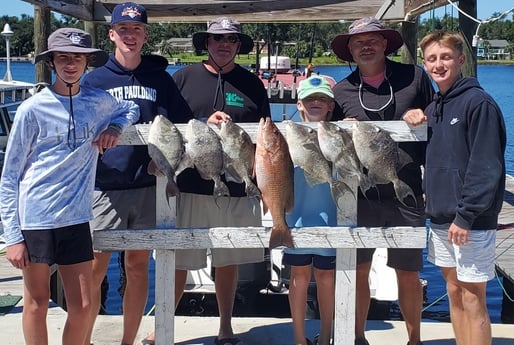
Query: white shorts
{"points": [[195, 210], [474, 261]]}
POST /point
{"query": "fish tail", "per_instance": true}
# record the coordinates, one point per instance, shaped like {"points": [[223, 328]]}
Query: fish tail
{"points": [[403, 191], [281, 237]]}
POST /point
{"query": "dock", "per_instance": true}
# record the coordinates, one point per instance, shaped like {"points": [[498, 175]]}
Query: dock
{"points": [[192, 330]]}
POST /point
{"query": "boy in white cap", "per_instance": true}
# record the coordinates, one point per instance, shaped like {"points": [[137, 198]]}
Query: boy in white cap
{"points": [[46, 191]]}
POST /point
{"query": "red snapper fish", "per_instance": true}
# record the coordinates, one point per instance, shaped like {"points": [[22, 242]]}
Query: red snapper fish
{"points": [[275, 175]]}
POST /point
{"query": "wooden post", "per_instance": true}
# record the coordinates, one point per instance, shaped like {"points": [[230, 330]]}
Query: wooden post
{"points": [[409, 49], [42, 30], [468, 28], [90, 27]]}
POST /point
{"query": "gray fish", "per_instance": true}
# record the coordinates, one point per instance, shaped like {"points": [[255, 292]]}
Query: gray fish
{"points": [[275, 178], [204, 152], [306, 153], [379, 153], [166, 148], [239, 156], [337, 147]]}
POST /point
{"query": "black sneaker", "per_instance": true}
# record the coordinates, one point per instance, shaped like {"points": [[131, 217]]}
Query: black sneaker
{"points": [[361, 341]]}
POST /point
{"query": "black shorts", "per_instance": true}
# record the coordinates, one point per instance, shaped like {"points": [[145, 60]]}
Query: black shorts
{"points": [[390, 213], [318, 261], [63, 246]]}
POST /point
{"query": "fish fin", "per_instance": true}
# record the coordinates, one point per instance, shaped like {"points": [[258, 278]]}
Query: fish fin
{"points": [[220, 188], [281, 237], [153, 170], [185, 163], [403, 191], [403, 159], [311, 179], [251, 189], [232, 175], [339, 189]]}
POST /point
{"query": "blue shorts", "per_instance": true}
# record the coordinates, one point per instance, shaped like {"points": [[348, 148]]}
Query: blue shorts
{"points": [[63, 246], [318, 261]]}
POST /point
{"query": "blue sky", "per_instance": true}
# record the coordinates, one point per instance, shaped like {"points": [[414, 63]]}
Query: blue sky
{"points": [[485, 8]]}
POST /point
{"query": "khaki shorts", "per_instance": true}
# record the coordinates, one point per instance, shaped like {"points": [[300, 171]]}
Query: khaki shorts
{"points": [[195, 210], [124, 209]]}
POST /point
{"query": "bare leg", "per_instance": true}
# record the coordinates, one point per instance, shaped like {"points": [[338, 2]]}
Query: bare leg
{"points": [[468, 310], [299, 282], [136, 292], [410, 296], [76, 280], [225, 283], [325, 280], [36, 294], [362, 298], [100, 264]]}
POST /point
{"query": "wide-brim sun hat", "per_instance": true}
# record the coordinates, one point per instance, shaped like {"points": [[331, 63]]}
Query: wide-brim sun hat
{"points": [[71, 40], [222, 26], [365, 25]]}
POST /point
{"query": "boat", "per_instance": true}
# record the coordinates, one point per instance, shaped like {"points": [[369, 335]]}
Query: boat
{"points": [[281, 81]]}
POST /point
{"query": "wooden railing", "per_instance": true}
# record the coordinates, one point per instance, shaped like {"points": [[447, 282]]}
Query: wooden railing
{"points": [[345, 238]]}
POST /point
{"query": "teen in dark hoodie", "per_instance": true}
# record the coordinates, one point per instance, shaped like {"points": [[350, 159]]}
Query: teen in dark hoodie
{"points": [[125, 192], [464, 184]]}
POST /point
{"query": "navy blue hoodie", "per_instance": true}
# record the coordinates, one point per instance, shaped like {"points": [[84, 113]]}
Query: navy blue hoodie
{"points": [[464, 178], [152, 88]]}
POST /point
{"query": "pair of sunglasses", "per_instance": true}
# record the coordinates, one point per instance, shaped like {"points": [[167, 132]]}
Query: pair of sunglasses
{"points": [[230, 39]]}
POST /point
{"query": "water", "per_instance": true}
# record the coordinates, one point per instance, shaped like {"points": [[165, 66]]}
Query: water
{"points": [[496, 79]]}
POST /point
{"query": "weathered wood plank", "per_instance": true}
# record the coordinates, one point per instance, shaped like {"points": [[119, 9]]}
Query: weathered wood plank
{"points": [[400, 131], [258, 237]]}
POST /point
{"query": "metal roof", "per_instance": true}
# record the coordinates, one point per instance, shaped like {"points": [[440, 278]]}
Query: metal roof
{"points": [[247, 11]]}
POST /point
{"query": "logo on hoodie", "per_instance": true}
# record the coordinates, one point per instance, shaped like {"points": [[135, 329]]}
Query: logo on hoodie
{"points": [[454, 121]]}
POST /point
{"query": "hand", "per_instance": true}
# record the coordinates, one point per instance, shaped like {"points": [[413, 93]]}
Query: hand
{"points": [[18, 255], [457, 235], [414, 117], [107, 139], [218, 117]]}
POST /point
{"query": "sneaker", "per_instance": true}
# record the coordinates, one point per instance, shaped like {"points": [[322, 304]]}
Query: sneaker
{"points": [[361, 341]]}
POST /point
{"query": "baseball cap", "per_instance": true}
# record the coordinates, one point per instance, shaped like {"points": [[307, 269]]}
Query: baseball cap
{"points": [[129, 12], [71, 40], [365, 25], [314, 84], [223, 25]]}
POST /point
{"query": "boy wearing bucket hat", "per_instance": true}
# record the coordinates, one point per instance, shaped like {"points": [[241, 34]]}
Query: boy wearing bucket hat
{"points": [[46, 191], [218, 90], [382, 90], [124, 190], [313, 206]]}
